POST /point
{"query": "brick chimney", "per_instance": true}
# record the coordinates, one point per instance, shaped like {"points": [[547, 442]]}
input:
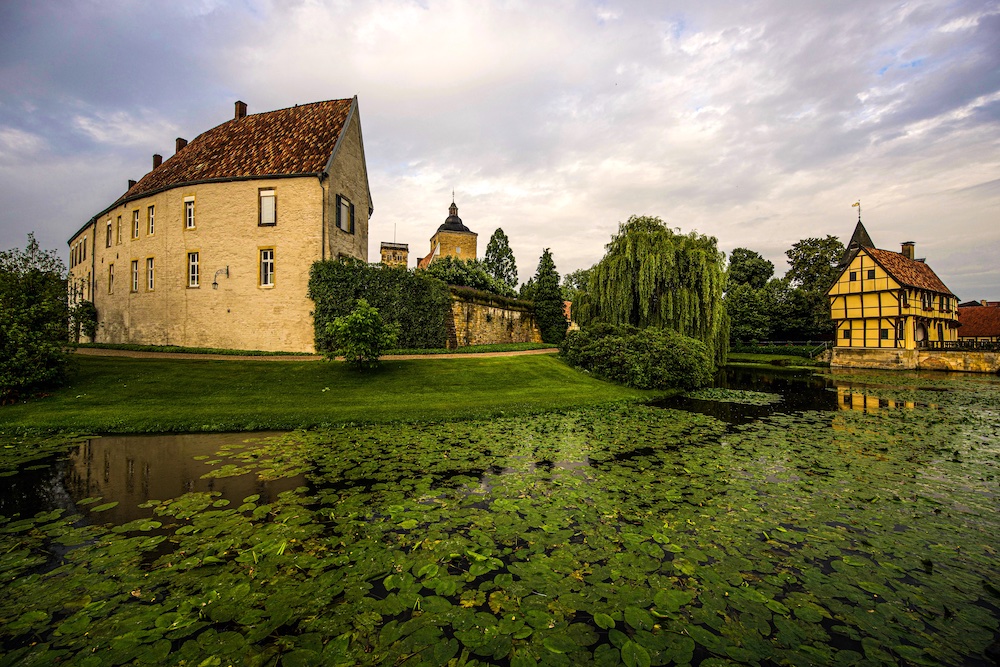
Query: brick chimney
{"points": [[180, 143], [157, 160], [908, 249], [131, 183], [241, 110]]}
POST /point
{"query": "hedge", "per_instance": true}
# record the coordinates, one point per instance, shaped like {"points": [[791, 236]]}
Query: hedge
{"points": [[416, 301]]}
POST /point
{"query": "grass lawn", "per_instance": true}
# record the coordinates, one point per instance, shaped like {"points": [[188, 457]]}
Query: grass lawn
{"points": [[122, 395]]}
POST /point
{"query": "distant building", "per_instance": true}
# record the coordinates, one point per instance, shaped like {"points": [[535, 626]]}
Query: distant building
{"points": [[980, 322], [452, 239], [212, 248], [885, 299], [395, 254]]}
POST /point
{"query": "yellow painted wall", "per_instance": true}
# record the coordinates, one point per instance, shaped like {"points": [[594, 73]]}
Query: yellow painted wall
{"points": [[461, 245]]}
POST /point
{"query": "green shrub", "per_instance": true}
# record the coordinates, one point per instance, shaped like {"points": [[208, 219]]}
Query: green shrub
{"points": [[468, 273], [415, 300], [83, 320], [362, 336], [34, 328], [650, 358]]}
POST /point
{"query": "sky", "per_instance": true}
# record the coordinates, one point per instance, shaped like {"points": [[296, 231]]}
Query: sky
{"points": [[758, 123]]}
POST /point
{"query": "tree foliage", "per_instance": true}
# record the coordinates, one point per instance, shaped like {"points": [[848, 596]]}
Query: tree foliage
{"points": [[652, 276], [814, 263], [468, 273], [362, 336], [650, 358], [34, 328], [550, 312], [415, 300], [499, 260], [749, 312], [748, 267]]}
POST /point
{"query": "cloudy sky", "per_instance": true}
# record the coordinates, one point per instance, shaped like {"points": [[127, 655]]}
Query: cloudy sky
{"points": [[759, 123]]}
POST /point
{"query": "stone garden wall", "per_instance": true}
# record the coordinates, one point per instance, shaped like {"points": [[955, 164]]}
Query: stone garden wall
{"points": [[478, 318]]}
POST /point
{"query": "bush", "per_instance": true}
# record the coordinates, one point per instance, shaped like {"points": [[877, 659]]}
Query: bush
{"points": [[649, 358], [414, 300], [83, 320], [468, 273], [34, 328], [362, 336]]}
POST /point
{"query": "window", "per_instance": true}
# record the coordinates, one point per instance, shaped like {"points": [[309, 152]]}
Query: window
{"points": [[192, 269], [906, 299], [871, 274], [119, 232], [883, 334], [847, 334], [268, 208], [267, 267], [149, 274], [345, 214], [135, 275], [111, 278], [152, 213], [854, 276], [107, 239], [189, 212], [135, 224], [899, 331]]}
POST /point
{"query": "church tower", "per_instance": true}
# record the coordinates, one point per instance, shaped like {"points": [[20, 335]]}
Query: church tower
{"points": [[452, 239]]}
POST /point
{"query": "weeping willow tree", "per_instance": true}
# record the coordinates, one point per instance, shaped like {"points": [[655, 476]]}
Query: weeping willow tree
{"points": [[652, 276]]}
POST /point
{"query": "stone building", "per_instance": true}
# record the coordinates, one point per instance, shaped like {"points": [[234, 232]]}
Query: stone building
{"points": [[886, 299], [212, 248], [395, 254], [452, 239]]}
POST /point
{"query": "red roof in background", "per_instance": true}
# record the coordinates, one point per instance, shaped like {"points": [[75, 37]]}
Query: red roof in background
{"points": [[908, 272], [296, 140], [979, 321]]}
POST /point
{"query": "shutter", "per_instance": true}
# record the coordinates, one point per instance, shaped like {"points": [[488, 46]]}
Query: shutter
{"points": [[352, 218]]}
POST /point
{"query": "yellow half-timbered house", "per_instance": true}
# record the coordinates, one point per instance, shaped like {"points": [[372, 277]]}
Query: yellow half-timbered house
{"points": [[886, 299]]}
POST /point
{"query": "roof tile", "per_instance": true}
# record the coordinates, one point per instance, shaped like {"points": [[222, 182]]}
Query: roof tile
{"points": [[908, 272], [979, 321], [296, 140]]}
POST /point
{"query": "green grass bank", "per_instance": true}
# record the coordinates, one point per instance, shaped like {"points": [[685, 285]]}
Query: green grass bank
{"points": [[124, 395]]}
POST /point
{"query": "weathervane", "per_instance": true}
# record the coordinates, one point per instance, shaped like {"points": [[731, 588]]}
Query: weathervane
{"points": [[858, 204]]}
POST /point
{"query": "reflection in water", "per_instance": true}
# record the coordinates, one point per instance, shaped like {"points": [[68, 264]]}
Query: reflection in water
{"points": [[131, 470]]}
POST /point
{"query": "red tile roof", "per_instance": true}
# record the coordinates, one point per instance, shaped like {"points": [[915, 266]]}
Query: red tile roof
{"points": [[297, 140], [979, 321], [908, 272]]}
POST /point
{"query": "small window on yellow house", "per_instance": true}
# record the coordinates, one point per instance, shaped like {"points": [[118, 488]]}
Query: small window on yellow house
{"points": [[847, 334], [871, 274], [854, 276], [883, 334]]}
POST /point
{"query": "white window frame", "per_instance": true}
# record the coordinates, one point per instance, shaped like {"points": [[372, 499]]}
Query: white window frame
{"points": [[119, 230], [193, 269], [266, 268], [135, 275], [150, 274], [107, 239], [267, 215], [151, 213], [111, 278], [135, 224], [345, 214], [189, 222]]}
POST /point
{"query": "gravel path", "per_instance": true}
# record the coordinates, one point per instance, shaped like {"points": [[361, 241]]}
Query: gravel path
{"points": [[98, 352]]}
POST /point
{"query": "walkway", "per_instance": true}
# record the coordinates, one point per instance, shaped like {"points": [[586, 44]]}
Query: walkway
{"points": [[133, 354]]}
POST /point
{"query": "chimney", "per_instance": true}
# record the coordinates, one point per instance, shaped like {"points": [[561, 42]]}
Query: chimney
{"points": [[181, 143], [241, 110], [131, 184], [983, 302], [908, 249], [157, 160]]}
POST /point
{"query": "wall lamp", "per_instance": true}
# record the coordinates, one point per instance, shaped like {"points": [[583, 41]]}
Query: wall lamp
{"points": [[215, 281]]}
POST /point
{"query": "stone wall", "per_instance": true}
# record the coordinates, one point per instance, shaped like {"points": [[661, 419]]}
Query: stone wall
{"points": [[924, 360], [479, 319]]}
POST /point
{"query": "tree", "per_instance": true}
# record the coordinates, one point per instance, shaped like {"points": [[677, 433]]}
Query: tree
{"points": [[748, 267], [550, 312], [34, 328], [574, 284], [654, 276], [749, 315], [815, 263], [361, 336], [499, 260]]}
